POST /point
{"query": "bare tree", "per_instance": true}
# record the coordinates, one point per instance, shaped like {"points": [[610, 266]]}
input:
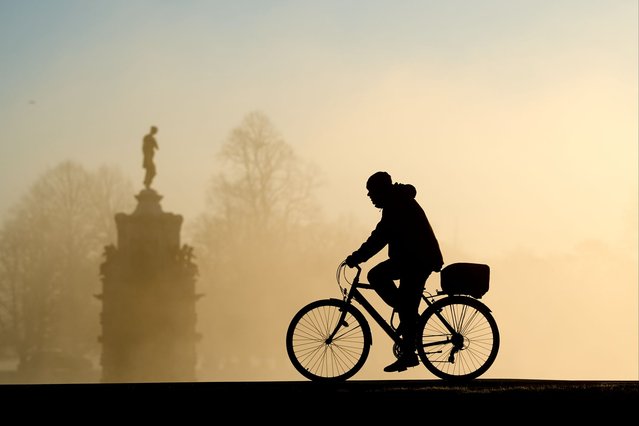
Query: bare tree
{"points": [[50, 249], [265, 185], [262, 196], [260, 208]]}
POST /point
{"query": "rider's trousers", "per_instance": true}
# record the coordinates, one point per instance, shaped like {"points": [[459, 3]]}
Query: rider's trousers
{"points": [[404, 297]]}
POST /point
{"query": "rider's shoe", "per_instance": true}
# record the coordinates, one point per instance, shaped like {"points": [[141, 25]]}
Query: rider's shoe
{"points": [[402, 364]]}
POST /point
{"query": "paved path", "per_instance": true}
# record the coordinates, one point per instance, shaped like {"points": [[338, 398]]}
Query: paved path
{"points": [[491, 399]]}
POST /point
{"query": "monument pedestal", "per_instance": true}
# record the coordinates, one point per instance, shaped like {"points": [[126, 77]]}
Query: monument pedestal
{"points": [[148, 298]]}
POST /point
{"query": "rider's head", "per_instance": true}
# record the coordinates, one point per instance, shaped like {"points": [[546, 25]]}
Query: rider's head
{"points": [[379, 187]]}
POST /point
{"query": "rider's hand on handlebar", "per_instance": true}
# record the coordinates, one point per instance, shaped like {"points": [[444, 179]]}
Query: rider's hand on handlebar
{"points": [[351, 262]]}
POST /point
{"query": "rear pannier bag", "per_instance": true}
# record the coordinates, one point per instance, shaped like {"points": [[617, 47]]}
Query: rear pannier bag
{"points": [[465, 278]]}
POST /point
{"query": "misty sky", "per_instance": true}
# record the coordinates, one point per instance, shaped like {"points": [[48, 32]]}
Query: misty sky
{"points": [[516, 120]]}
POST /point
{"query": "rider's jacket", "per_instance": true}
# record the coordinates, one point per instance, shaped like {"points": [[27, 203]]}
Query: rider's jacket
{"points": [[406, 230]]}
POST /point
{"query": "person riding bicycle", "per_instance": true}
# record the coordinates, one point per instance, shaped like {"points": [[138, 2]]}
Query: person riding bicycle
{"points": [[413, 254]]}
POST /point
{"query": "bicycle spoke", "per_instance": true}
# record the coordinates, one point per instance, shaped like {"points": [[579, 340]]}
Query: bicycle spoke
{"points": [[317, 357], [468, 351]]}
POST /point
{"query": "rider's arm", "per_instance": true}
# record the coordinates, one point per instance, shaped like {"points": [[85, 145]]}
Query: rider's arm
{"points": [[375, 242]]}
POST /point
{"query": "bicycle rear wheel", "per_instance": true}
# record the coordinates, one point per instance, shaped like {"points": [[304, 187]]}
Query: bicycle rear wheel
{"points": [[313, 355], [467, 351]]}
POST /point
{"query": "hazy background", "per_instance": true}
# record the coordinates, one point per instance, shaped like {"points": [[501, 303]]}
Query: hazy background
{"points": [[515, 120]]}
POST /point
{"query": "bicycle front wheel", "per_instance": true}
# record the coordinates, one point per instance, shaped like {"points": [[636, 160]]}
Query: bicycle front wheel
{"points": [[316, 355], [459, 338]]}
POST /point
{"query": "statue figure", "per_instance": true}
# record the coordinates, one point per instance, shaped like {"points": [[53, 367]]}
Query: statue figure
{"points": [[149, 145]]}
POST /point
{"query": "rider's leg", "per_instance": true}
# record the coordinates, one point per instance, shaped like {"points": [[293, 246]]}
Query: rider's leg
{"points": [[411, 287], [408, 298], [381, 277]]}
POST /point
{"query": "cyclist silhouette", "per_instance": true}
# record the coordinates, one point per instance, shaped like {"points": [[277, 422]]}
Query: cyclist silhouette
{"points": [[413, 253]]}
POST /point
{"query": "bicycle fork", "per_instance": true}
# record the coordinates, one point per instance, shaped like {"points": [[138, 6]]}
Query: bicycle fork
{"points": [[340, 322]]}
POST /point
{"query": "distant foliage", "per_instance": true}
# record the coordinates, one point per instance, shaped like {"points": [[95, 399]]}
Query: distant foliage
{"points": [[261, 247], [51, 245]]}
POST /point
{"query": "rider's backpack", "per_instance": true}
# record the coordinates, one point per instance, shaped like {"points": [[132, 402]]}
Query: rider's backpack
{"points": [[465, 278]]}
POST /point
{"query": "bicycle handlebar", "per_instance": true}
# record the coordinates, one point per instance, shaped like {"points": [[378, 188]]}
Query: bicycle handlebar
{"points": [[339, 273]]}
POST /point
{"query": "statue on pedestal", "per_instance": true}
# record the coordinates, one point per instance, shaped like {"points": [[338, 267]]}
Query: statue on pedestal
{"points": [[148, 297], [149, 145]]}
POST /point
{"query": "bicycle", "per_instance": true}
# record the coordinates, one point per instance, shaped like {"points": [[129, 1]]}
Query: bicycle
{"points": [[329, 340]]}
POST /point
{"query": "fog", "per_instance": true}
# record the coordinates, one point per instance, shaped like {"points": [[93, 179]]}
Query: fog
{"points": [[517, 124]]}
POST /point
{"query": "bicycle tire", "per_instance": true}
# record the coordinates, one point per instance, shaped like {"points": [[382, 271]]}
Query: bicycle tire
{"points": [[469, 352], [310, 353]]}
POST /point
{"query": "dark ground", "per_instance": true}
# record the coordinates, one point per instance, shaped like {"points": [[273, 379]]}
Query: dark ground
{"points": [[491, 399]]}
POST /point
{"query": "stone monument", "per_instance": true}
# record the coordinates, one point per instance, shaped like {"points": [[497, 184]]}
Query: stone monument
{"points": [[148, 298]]}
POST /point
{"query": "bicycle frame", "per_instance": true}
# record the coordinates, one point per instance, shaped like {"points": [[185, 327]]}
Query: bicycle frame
{"points": [[355, 294]]}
